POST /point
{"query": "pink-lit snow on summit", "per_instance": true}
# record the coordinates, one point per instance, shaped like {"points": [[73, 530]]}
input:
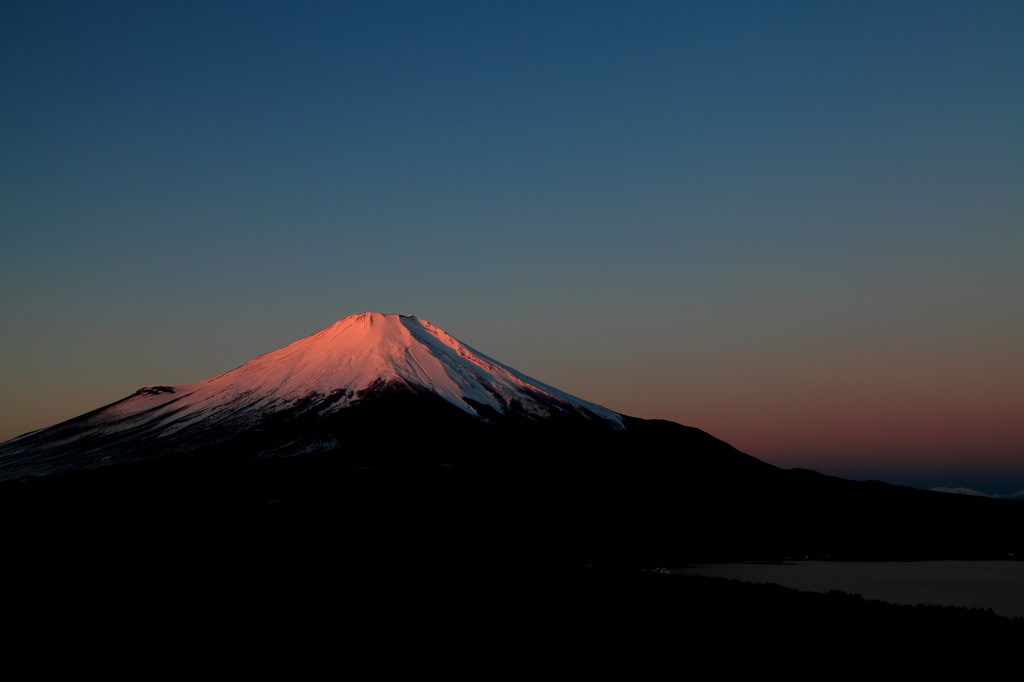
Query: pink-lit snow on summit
{"points": [[359, 358], [351, 355]]}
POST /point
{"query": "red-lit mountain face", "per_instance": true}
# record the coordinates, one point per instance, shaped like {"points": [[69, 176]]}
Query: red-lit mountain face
{"points": [[297, 400]]}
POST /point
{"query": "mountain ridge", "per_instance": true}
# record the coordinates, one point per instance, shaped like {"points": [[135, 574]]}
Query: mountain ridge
{"points": [[1019, 495]]}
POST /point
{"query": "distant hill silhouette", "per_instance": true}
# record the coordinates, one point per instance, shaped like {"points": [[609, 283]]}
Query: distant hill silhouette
{"points": [[974, 493]]}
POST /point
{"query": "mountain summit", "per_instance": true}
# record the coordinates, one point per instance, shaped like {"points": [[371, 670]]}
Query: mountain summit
{"points": [[363, 351], [355, 360]]}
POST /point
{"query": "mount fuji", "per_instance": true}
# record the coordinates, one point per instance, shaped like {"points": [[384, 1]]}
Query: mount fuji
{"points": [[306, 384]]}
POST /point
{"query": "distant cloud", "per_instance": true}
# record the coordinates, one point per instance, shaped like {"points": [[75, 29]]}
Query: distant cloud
{"points": [[967, 491]]}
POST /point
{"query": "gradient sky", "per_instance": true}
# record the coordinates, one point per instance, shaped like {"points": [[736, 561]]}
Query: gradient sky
{"points": [[798, 226]]}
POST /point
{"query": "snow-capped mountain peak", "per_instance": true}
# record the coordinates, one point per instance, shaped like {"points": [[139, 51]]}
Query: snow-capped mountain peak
{"points": [[361, 350], [340, 366]]}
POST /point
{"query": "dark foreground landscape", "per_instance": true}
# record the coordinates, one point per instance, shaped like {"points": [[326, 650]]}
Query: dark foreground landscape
{"points": [[375, 543]]}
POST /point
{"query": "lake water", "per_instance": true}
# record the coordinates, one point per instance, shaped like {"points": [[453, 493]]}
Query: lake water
{"points": [[996, 585]]}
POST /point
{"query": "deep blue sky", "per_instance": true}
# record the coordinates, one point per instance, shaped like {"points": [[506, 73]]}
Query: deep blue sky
{"points": [[799, 226]]}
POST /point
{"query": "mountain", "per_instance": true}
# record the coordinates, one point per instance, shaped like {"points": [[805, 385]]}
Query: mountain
{"points": [[1019, 495], [307, 383], [383, 438]]}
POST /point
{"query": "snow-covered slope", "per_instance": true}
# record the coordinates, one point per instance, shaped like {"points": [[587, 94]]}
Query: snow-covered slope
{"points": [[326, 372]]}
